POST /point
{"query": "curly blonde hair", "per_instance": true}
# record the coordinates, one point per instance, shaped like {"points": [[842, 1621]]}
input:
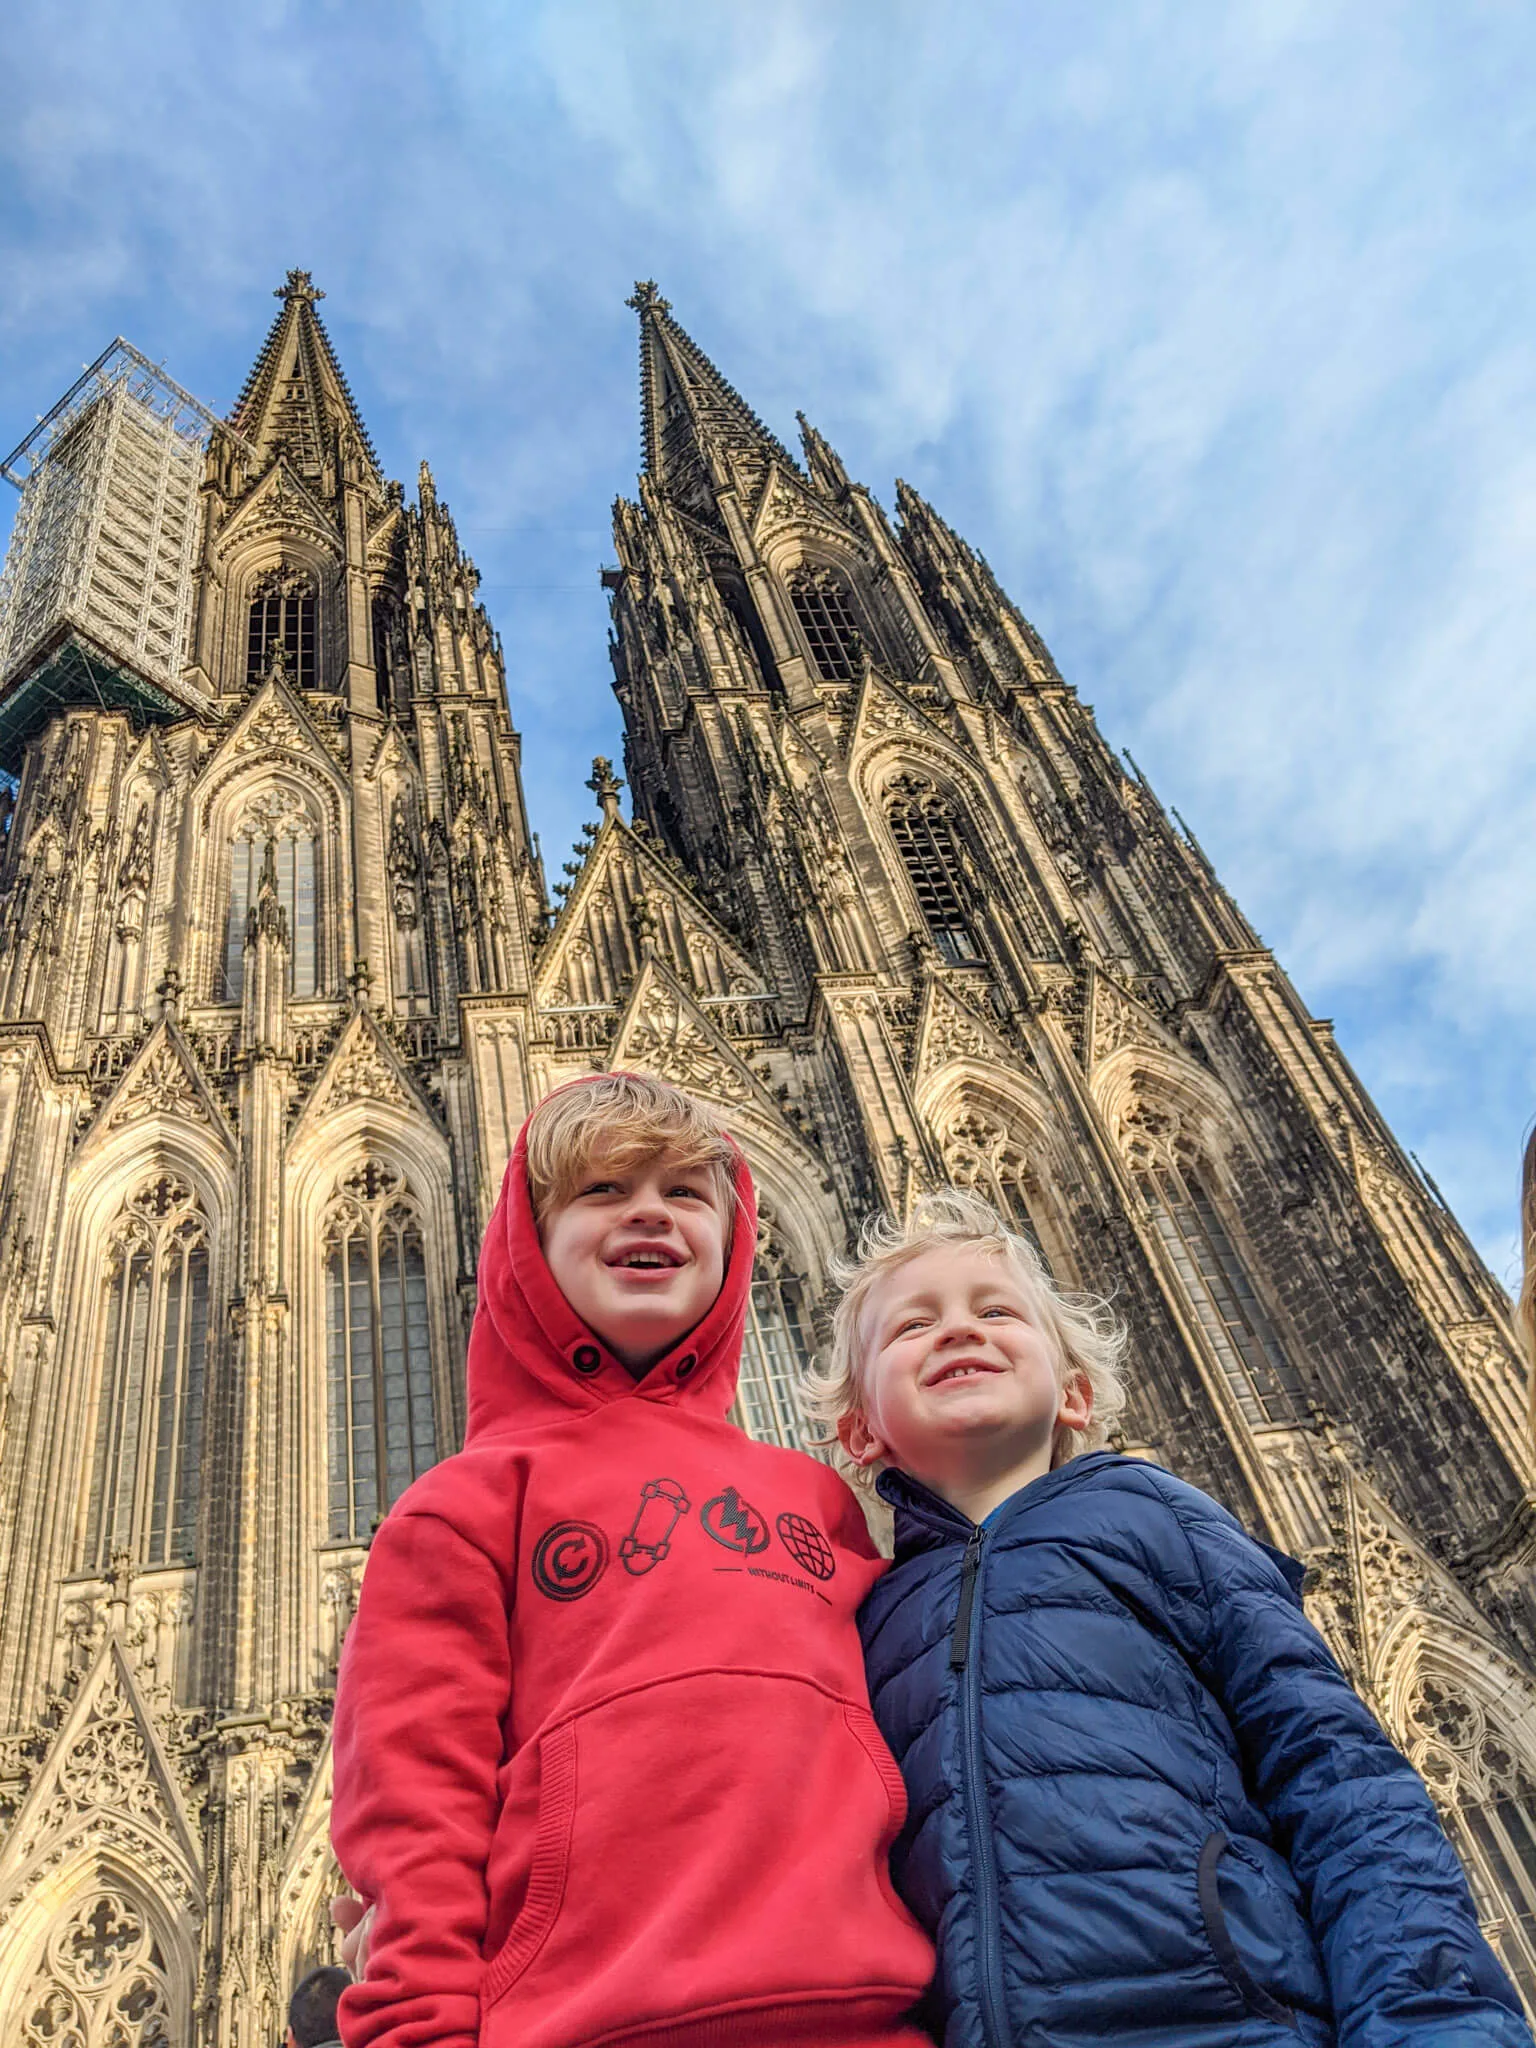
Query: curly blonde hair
{"points": [[1087, 1339], [624, 1119]]}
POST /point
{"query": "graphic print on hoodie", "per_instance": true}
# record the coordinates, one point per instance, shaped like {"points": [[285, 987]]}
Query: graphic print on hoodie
{"points": [[604, 1759]]}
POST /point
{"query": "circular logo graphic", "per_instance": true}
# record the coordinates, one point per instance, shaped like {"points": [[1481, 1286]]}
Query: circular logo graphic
{"points": [[735, 1523], [569, 1560], [806, 1545]]}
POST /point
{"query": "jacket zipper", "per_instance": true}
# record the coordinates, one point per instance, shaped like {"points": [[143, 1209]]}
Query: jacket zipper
{"points": [[965, 1657]]}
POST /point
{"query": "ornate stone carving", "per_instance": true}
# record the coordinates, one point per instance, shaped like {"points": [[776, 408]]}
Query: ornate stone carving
{"points": [[273, 727], [101, 1982], [163, 1086], [660, 1034]]}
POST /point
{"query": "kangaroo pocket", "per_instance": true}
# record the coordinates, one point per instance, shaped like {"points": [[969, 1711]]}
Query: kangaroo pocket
{"points": [[1258, 1930], [705, 1843]]}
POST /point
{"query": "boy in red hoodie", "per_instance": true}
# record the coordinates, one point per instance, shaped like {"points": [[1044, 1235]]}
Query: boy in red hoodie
{"points": [[605, 1768]]}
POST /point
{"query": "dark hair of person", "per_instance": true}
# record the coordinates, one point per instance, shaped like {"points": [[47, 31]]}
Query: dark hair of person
{"points": [[312, 2008]]}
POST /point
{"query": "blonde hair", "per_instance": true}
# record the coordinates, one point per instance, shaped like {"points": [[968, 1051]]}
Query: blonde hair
{"points": [[624, 1120], [1086, 1337]]}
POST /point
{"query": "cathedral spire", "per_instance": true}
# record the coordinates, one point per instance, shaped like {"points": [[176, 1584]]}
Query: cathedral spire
{"points": [[960, 585], [690, 416], [296, 398]]}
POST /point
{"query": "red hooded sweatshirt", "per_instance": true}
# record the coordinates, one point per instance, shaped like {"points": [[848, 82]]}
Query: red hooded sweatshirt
{"points": [[604, 1760]]}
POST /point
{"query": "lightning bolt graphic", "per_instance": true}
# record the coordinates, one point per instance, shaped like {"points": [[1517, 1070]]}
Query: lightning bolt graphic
{"points": [[733, 1516]]}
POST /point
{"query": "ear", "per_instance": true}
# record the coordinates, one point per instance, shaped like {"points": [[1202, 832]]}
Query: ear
{"points": [[1076, 1408], [858, 1439]]}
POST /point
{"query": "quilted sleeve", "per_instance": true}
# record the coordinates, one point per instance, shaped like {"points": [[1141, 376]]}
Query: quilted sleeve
{"points": [[1407, 1964], [421, 1704]]}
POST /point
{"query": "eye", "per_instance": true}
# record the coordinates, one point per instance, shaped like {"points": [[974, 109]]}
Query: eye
{"points": [[693, 1194], [908, 1324], [1002, 1309], [600, 1187]]}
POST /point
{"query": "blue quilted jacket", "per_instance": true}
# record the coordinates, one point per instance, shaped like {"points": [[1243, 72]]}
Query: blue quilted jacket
{"points": [[1147, 1809]]}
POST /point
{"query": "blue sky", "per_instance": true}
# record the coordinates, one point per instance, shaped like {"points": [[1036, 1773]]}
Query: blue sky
{"points": [[1210, 325]]}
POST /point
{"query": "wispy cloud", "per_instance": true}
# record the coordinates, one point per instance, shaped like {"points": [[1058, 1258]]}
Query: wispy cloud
{"points": [[1209, 326]]}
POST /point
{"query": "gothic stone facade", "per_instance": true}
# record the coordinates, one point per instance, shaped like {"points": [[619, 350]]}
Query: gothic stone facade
{"points": [[279, 980]]}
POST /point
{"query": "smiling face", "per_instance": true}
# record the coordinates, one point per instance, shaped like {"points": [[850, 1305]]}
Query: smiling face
{"points": [[639, 1253], [960, 1385]]}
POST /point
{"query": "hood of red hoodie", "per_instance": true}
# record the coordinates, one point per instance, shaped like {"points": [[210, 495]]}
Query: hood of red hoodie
{"points": [[532, 1359]]}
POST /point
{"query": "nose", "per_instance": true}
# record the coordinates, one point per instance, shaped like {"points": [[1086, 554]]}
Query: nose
{"points": [[958, 1326], [646, 1210]]}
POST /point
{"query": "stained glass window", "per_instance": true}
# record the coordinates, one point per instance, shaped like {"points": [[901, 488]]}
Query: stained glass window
{"points": [[1266, 1385], [149, 1415], [774, 1355], [1487, 1798], [382, 1430], [294, 847]]}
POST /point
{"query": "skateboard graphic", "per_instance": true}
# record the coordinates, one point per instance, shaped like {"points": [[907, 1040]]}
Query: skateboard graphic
{"points": [[662, 1504]]}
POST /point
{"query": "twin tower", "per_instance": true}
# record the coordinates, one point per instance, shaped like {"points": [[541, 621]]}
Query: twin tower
{"points": [[280, 978]]}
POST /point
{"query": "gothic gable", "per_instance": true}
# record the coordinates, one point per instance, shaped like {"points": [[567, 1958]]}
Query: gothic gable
{"points": [[949, 1029], [364, 1067], [625, 901], [392, 752], [106, 1780], [148, 761], [275, 721], [1118, 1018], [663, 1031], [1390, 1575], [163, 1080], [885, 712], [784, 501], [280, 504]]}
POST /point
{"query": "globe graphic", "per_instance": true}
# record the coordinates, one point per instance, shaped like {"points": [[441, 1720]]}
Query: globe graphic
{"points": [[807, 1546]]}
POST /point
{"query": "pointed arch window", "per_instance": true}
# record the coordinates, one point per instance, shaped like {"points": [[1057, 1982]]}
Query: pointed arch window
{"points": [[1263, 1381], [1487, 1799], [979, 1154], [148, 1447], [282, 620], [382, 1430], [824, 606], [775, 1349], [928, 841], [101, 1981], [282, 818]]}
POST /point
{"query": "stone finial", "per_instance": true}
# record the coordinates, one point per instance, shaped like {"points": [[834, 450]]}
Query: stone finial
{"points": [[647, 298], [298, 285], [360, 981], [605, 786]]}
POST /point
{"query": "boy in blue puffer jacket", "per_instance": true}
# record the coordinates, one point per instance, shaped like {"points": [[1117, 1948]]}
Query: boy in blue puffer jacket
{"points": [[1145, 1804]]}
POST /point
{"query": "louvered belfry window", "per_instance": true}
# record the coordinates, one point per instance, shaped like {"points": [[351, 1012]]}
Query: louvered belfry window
{"points": [[282, 615], [147, 1452], [824, 607], [382, 1430], [1266, 1385], [926, 839]]}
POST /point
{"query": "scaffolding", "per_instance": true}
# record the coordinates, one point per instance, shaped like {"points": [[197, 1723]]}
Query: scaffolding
{"points": [[96, 594]]}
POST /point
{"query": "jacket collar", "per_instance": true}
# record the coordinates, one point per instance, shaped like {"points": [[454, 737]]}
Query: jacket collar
{"points": [[925, 1521]]}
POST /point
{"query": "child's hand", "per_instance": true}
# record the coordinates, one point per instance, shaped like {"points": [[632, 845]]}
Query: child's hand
{"points": [[356, 1923]]}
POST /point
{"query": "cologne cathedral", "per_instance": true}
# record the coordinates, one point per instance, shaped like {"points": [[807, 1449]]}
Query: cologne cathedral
{"points": [[280, 978]]}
